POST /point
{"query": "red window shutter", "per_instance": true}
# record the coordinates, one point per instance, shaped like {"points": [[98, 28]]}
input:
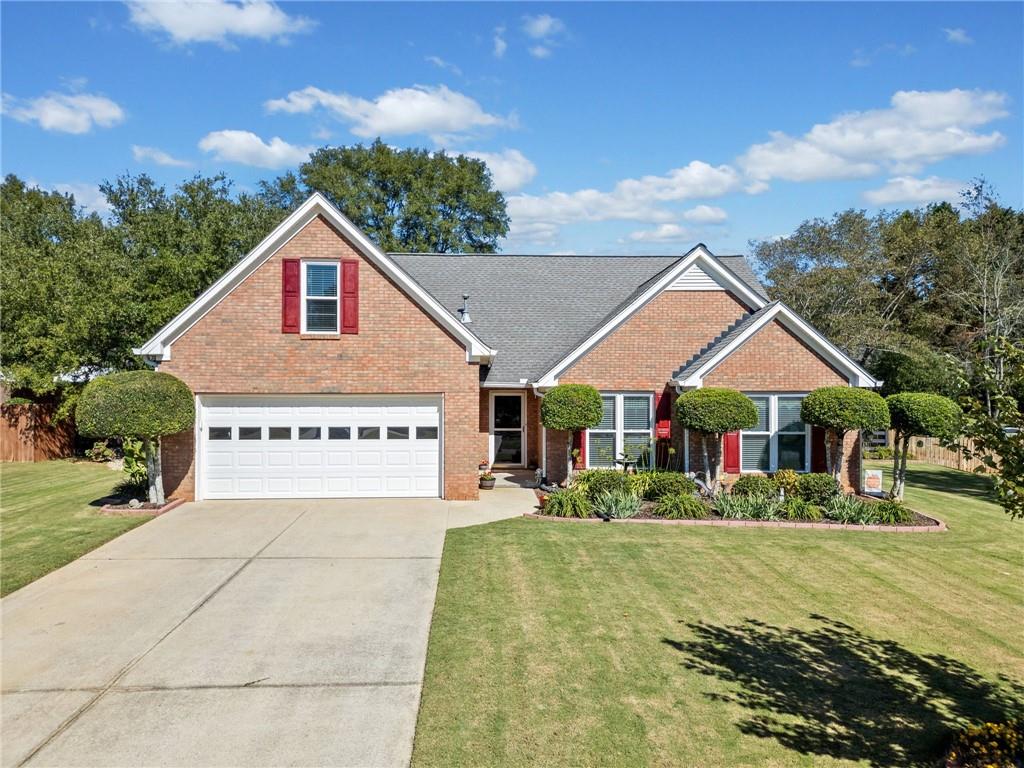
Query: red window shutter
{"points": [[291, 302], [731, 450], [819, 463], [350, 296], [663, 414], [579, 443]]}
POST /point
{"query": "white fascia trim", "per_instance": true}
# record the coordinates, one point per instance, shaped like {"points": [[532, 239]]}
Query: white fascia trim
{"points": [[856, 375], [699, 254], [159, 346]]}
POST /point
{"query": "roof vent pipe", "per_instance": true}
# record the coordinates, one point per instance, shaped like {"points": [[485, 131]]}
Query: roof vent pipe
{"points": [[465, 309]]}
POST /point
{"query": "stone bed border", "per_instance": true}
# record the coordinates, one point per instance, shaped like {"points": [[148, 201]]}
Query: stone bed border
{"points": [[939, 526], [117, 511]]}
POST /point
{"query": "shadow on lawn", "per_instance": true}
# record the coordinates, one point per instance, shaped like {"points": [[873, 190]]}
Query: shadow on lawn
{"points": [[931, 478], [834, 691]]}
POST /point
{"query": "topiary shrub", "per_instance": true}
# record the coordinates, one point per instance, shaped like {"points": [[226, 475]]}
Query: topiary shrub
{"points": [[596, 481], [839, 410], [570, 408], [568, 503], [619, 504], [137, 404], [918, 414], [680, 506], [712, 412], [795, 508], [817, 487], [670, 483], [789, 481], [754, 485]]}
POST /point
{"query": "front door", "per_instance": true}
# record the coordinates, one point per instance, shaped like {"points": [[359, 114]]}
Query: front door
{"points": [[507, 443]]}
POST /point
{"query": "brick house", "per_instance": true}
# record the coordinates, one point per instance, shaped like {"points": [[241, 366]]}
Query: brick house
{"points": [[323, 367]]}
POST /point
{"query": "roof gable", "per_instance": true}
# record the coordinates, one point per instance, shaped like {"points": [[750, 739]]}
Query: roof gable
{"points": [[159, 346], [691, 374]]}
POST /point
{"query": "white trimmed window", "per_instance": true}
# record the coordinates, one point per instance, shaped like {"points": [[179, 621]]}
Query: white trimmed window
{"points": [[320, 297], [780, 440], [625, 428]]}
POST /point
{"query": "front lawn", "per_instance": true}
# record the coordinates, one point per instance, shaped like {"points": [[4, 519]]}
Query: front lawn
{"points": [[557, 643], [47, 519]]}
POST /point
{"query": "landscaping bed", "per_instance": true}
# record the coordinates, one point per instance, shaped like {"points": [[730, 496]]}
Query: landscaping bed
{"points": [[784, 499]]}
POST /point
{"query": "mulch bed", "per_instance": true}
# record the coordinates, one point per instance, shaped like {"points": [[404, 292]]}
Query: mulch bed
{"points": [[922, 523], [120, 508]]}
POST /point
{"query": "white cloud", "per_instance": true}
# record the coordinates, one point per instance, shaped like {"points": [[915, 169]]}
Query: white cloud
{"points": [[433, 110], [215, 21], [705, 214], [509, 168], [86, 195], [500, 46], [666, 233], [864, 58], [247, 148], [958, 36], [543, 26], [158, 156], [65, 112], [538, 217], [540, 51], [440, 63], [908, 189], [918, 128]]}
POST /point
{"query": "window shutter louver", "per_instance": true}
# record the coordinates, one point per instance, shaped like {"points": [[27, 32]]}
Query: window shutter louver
{"points": [[291, 302], [350, 296], [731, 450]]}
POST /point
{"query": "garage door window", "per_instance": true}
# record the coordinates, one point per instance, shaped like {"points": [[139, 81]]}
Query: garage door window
{"points": [[398, 433], [220, 433], [250, 433], [426, 433], [339, 433], [369, 433], [309, 433], [280, 433]]}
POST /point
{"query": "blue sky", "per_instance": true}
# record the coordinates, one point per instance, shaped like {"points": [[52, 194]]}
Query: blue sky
{"points": [[610, 127]]}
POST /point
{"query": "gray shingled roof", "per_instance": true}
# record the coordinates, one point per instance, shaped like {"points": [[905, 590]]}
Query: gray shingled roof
{"points": [[535, 309], [720, 341]]}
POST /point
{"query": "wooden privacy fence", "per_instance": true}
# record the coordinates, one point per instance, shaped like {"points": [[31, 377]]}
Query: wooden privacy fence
{"points": [[929, 450], [27, 433]]}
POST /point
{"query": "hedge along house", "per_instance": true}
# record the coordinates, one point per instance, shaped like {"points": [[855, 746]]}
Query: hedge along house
{"points": [[324, 367]]}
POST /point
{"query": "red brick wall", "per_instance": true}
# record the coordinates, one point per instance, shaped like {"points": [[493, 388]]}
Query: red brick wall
{"points": [[774, 360], [238, 348]]}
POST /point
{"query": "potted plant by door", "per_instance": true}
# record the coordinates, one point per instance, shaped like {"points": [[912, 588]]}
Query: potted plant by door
{"points": [[486, 480]]}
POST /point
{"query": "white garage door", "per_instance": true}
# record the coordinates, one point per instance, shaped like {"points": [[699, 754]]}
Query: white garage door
{"points": [[319, 446]]}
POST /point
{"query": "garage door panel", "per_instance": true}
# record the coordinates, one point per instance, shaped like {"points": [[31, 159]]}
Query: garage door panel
{"points": [[354, 446]]}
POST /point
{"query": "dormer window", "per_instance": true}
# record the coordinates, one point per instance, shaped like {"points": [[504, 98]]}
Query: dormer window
{"points": [[320, 299]]}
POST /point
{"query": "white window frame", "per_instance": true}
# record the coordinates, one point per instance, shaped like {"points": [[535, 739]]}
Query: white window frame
{"points": [[773, 431], [620, 426], [337, 271]]}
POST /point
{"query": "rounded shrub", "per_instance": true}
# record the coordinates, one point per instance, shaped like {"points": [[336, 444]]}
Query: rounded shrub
{"points": [[568, 503], [679, 506], [754, 485], [817, 487], [142, 404], [924, 414], [571, 407], [669, 484], [594, 482], [843, 409], [715, 411], [789, 481]]}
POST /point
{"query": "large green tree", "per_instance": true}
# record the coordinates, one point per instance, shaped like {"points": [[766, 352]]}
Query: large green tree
{"points": [[404, 199]]}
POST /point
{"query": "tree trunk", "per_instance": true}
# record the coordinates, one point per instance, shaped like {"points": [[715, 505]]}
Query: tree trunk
{"points": [[568, 456], [903, 466], [828, 451], [897, 440], [837, 461], [154, 471], [709, 476]]}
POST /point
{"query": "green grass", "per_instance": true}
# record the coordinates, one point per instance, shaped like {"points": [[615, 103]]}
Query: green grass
{"points": [[47, 518], [629, 645]]}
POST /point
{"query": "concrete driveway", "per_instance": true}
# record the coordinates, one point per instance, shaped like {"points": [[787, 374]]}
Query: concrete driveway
{"points": [[234, 633]]}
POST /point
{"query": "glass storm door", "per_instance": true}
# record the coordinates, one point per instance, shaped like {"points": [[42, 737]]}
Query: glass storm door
{"points": [[507, 430]]}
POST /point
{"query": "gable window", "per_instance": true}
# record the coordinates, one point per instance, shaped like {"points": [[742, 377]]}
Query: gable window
{"points": [[320, 307], [625, 428], [780, 440]]}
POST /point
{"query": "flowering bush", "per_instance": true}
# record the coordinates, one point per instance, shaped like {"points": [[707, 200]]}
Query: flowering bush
{"points": [[992, 745]]}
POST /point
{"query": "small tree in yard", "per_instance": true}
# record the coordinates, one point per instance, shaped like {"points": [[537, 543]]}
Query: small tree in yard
{"points": [[839, 410], [713, 412], [918, 414], [138, 404], [570, 408]]}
